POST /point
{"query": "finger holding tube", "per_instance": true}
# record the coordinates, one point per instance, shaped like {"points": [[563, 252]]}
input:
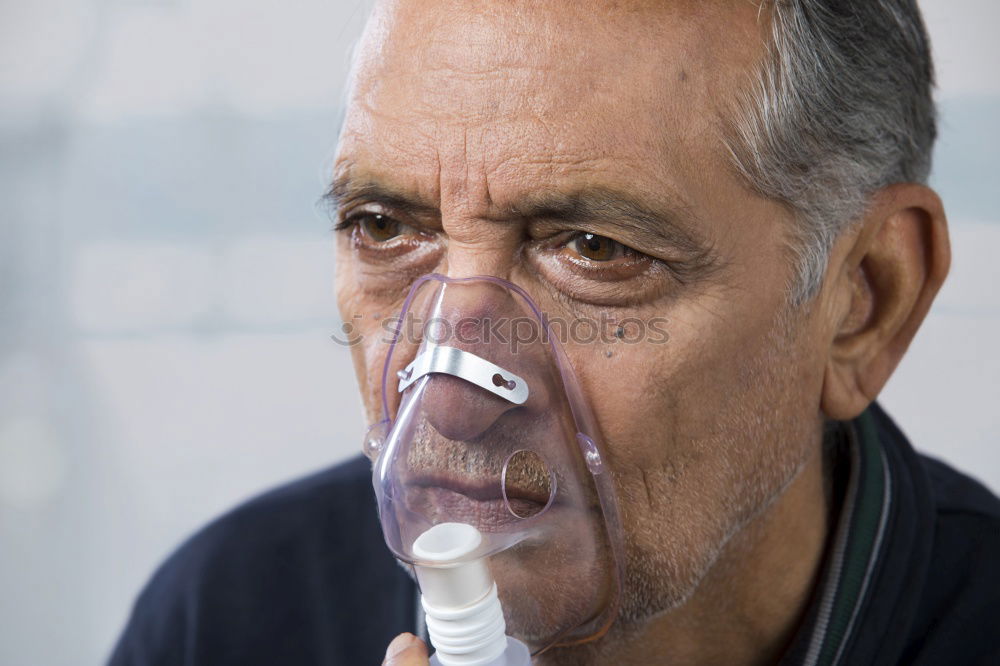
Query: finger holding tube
{"points": [[406, 650]]}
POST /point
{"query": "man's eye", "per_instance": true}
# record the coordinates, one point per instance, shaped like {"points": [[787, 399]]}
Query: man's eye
{"points": [[380, 228], [596, 248]]}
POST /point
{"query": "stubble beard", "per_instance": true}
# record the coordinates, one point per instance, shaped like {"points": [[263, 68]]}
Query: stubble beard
{"points": [[755, 458]]}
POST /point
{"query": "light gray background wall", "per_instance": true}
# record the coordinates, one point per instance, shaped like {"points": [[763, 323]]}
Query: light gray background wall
{"points": [[165, 284]]}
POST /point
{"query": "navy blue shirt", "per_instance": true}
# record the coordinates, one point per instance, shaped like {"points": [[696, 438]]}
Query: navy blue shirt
{"points": [[301, 575]]}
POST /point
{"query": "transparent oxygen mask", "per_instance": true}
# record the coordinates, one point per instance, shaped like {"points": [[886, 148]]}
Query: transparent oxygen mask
{"points": [[486, 425]]}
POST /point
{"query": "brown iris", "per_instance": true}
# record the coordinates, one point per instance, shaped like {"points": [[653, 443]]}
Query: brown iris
{"points": [[379, 227], [595, 248]]}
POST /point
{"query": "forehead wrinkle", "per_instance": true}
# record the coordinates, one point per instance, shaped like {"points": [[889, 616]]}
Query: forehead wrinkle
{"points": [[436, 111], [510, 52], [532, 85], [526, 39], [392, 132]]}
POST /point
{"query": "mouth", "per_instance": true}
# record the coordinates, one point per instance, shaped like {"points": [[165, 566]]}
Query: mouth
{"points": [[478, 503]]}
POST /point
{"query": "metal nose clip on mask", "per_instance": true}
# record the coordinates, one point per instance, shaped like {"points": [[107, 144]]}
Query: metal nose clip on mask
{"points": [[486, 425]]}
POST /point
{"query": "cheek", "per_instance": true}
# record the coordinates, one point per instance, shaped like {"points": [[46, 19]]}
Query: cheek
{"points": [[684, 419], [367, 336]]}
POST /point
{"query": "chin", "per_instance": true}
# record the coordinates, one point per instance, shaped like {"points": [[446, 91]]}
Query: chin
{"points": [[552, 591]]}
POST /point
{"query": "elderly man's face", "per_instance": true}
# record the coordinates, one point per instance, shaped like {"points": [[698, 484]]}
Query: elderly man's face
{"points": [[470, 111]]}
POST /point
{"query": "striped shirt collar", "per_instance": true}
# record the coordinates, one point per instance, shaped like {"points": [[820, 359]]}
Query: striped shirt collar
{"points": [[858, 544]]}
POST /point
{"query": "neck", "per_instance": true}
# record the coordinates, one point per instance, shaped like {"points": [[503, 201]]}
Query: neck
{"points": [[748, 607]]}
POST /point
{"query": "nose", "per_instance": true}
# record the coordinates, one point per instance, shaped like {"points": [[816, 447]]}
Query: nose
{"points": [[475, 318], [460, 410]]}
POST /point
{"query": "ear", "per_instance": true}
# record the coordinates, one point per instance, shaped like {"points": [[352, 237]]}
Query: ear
{"points": [[883, 279]]}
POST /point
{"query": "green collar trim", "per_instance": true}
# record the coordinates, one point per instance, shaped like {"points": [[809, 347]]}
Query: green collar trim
{"points": [[857, 544]]}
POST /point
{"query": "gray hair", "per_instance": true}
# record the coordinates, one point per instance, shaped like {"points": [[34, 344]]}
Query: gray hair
{"points": [[840, 107]]}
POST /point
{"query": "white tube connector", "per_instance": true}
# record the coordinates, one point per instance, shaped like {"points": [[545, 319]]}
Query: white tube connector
{"points": [[464, 616]]}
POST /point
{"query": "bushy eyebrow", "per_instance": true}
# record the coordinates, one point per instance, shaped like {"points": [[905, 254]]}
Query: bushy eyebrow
{"points": [[344, 191], [674, 226], [609, 208]]}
